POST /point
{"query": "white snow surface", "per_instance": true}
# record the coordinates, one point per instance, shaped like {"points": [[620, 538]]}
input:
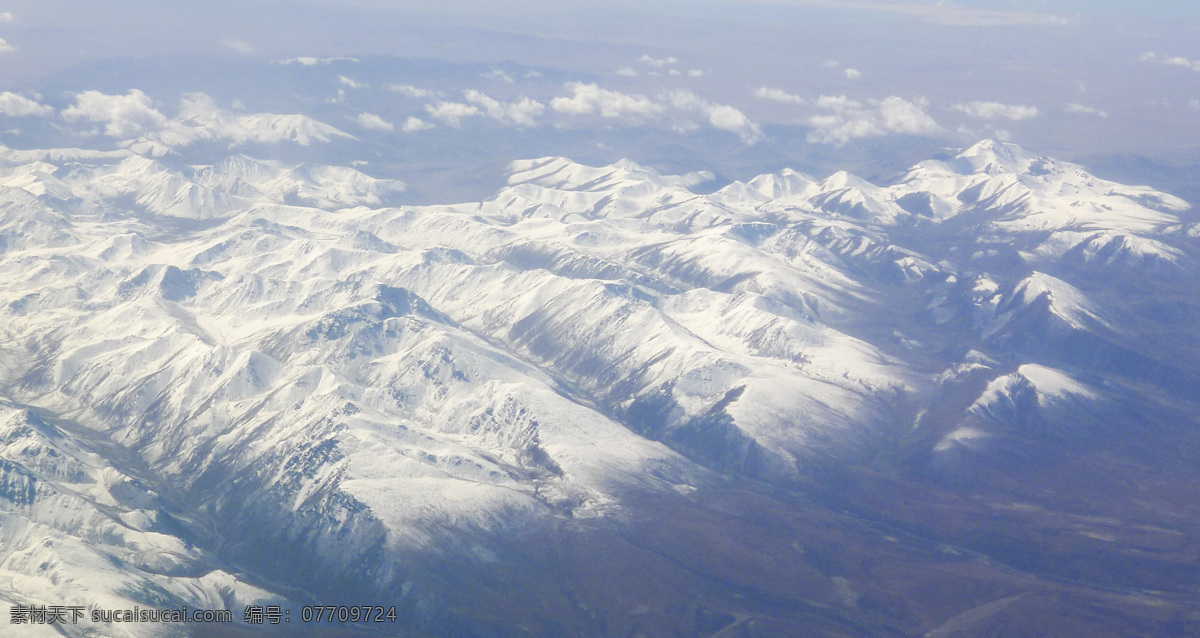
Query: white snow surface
{"points": [[359, 365], [78, 531]]}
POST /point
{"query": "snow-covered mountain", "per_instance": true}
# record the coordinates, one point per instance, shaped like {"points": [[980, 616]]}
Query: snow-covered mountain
{"points": [[201, 362]]}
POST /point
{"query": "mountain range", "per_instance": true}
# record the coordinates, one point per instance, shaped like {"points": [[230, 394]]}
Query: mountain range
{"points": [[604, 400]]}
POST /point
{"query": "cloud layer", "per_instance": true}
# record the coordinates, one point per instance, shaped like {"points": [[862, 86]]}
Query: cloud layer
{"points": [[133, 119], [1171, 60], [451, 113], [1080, 109], [720, 116], [849, 119], [521, 112], [14, 105], [408, 90], [778, 95], [997, 110], [587, 99], [123, 116], [374, 122]]}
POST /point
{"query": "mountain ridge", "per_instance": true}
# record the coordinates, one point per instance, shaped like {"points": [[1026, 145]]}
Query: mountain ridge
{"points": [[358, 383]]}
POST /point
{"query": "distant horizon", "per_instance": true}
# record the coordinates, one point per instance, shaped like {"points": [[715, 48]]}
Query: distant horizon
{"points": [[1108, 79]]}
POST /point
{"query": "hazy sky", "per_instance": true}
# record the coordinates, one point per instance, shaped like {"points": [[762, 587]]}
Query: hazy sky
{"points": [[1068, 78]]}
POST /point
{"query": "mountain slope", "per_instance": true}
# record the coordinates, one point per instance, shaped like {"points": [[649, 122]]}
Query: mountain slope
{"points": [[383, 395]]}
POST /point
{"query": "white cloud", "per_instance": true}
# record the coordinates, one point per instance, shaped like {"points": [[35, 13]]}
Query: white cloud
{"points": [[238, 46], [413, 124], [124, 116], [988, 131], [451, 112], [1079, 109], [1151, 56], [521, 112], [852, 74], [409, 90], [674, 72], [532, 74], [590, 98], [314, 61], [830, 63], [778, 95], [996, 110], [143, 129], [1184, 62], [720, 116], [837, 103], [497, 74], [5, 47], [628, 72], [902, 116], [199, 118], [14, 105], [696, 73], [945, 13], [839, 129], [657, 63], [727, 118], [372, 121], [351, 83], [851, 119], [6, 16]]}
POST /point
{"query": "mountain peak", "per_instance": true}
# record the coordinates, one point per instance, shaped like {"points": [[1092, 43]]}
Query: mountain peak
{"points": [[993, 157], [565, 174]]}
